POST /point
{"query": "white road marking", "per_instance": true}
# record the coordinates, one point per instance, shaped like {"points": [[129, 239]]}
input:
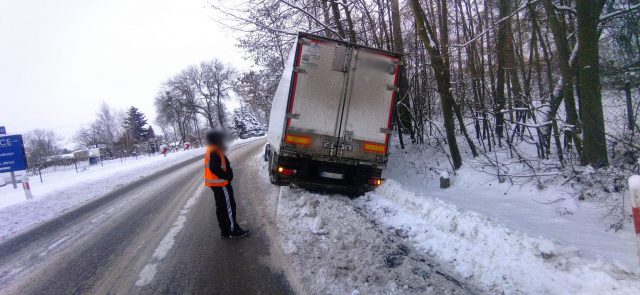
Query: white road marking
{"points": [[147, 274], [149, 271], [170, 238]]}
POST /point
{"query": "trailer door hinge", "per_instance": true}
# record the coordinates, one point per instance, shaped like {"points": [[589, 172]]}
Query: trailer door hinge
{"points": [[393, 88], [299, 70], [293, 116], [386, 130]]}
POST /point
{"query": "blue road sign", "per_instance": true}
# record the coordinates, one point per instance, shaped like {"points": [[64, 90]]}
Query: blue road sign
{"points": [[12, 156], [3, 131]]}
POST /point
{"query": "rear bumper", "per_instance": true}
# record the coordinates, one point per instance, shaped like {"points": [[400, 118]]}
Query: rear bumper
{"points": [[309, 175]]}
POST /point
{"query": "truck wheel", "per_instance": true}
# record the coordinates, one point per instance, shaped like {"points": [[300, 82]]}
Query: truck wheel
{"points": [[273, 175]]}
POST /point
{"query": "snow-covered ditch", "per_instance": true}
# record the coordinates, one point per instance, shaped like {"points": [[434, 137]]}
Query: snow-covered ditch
{"points": [[332, 247], [335, 249]]}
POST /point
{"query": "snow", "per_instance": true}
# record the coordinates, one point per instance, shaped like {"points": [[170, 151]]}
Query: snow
{"points": [[408, 236], [553, 213], [500, 259], [487, 236], [334, 248]]}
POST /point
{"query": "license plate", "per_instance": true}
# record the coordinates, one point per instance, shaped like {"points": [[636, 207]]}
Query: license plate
{"points": [[332, 175]]}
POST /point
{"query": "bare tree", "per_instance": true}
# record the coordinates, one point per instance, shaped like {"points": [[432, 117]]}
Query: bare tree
{"points": [[255, 90], [87, 136], [523, 73], [41, 144], [216, 80], [108, 125]]}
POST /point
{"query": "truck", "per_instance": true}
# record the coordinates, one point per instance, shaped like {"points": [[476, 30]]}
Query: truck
{"points": [[332, 115]]}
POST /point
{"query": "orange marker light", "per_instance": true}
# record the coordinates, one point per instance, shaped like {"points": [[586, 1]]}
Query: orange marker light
{"points": [[374, 147], [296, 139]]}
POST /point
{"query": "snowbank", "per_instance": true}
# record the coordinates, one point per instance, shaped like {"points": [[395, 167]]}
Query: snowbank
{"points": [[395, 241], [555, 212], [333, 248], [501, 260], [336, 250]]}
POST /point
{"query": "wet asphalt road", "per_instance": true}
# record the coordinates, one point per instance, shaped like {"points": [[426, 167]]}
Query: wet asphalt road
{"points": [[156, 236]]}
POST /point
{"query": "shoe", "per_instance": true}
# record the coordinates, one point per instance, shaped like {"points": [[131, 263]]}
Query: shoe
{"points": [[224, 235], [238, 233]]}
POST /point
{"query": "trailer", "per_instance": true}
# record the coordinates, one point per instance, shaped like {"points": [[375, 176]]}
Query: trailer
{"points": [[331, 115]]}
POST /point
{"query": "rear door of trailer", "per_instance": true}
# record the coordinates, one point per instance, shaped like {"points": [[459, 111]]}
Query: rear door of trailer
{"points": [[318, 85], [366, 123]]}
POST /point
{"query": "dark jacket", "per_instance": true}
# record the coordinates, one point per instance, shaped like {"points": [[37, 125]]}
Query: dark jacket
{"points": [[214, 166]]}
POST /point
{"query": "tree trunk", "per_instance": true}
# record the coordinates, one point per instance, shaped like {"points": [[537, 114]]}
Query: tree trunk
{"points": [[326, 18], [562, 47], [442, 75], [404, 113], [336, 17], [501, 47], [595, 145], [628, 100], [220, 111], [347, 13]]}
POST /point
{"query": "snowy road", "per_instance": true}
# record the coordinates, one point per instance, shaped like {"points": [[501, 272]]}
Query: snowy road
{"points": [[155, 236]]}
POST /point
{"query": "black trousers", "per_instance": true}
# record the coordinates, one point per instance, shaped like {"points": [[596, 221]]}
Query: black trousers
{"points": [[225, 208]]}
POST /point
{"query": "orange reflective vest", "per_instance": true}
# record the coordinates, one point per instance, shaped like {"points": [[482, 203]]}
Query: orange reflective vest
{"points": [[210, 179]]}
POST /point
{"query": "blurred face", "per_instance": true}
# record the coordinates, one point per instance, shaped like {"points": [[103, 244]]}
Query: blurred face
{"points": [[222, 140]]}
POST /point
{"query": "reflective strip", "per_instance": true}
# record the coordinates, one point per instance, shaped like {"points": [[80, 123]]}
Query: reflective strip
{"points": [[214, 180], [229, 211], [374, 147]]}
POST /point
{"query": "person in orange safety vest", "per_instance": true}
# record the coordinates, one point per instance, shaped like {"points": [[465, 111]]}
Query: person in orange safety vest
{"points": [[218, 176]]}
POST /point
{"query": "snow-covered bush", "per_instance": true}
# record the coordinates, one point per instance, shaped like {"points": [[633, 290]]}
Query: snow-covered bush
{"points": [[246, 124]]}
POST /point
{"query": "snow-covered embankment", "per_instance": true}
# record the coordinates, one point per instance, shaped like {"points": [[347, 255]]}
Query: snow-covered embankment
{"points": [[499, 259], [392, 241]]}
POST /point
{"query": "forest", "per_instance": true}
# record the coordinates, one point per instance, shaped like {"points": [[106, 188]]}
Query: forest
{"points": [[551, 84]]}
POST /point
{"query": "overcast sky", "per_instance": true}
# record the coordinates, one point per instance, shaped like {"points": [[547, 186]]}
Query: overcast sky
{"points": [[60, 59]]}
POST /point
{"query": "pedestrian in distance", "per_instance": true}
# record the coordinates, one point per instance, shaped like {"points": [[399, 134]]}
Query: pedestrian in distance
{"points": [[218, 176]]}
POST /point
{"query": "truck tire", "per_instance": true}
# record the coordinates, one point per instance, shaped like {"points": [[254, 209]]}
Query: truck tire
{"points": [[274, 178]]}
